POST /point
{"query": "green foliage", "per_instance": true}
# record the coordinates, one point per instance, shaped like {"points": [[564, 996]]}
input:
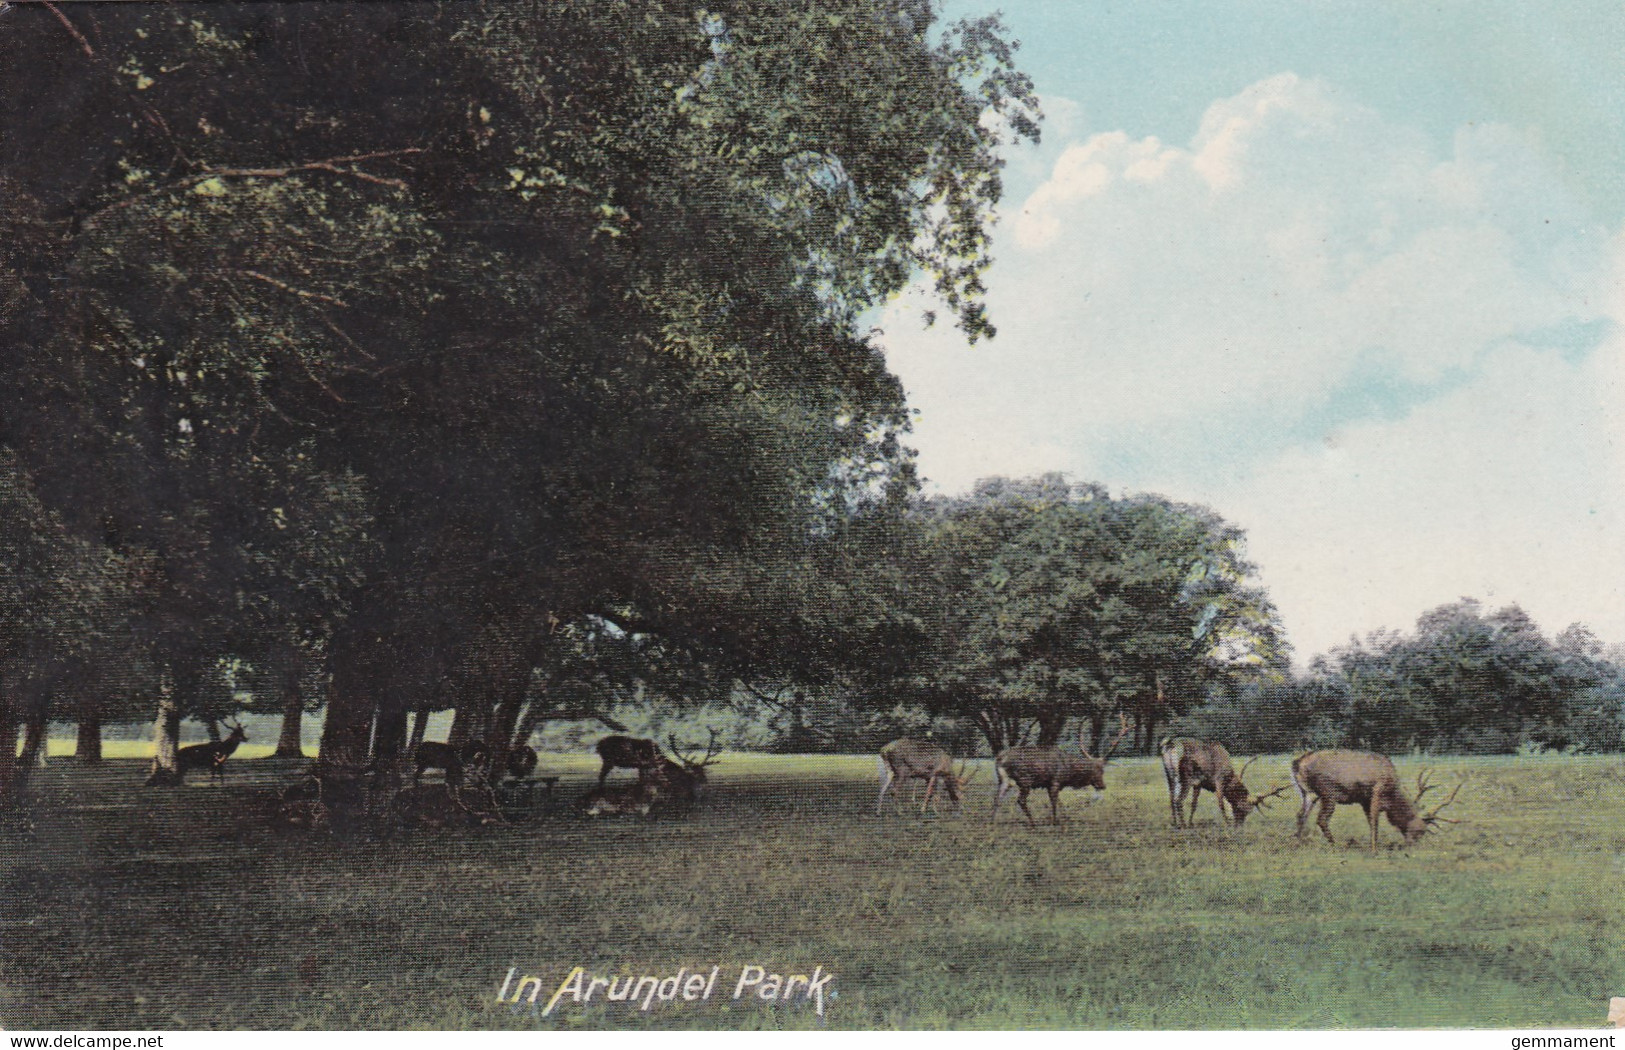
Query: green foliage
{"points": [[1046, 601], [371, 324], [1468, 680]]}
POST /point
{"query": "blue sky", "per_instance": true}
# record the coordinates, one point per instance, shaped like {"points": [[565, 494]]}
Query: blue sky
{"points": [[1347, 272]]}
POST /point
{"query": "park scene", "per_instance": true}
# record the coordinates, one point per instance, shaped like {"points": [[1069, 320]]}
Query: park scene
{"points": [[855, 514]]}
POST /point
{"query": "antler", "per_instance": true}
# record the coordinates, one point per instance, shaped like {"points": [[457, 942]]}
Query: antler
{"points": [[1432, 815], [711, 749], [1423, 785], [1259, 800], [1122, 719], [1243, 774], [964, 778]]}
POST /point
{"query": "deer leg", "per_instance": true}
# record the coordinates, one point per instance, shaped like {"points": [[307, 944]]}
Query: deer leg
{"points": [[1054, 805], [887, 779], [930, 787], [1001, 788], [1021, 800], [1303, 809], [1324, 819], [603, 774], [1176, 794], [1373, 813]]}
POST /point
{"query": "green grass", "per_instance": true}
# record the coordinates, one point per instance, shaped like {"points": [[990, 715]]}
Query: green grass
{"points": [[136, 908]]}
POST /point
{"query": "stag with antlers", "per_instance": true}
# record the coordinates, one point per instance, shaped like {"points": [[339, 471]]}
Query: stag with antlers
{"points": [[1191, 765], [1052, 769], [909, 759], [1338, 777], [210, 756], [679, 780]]}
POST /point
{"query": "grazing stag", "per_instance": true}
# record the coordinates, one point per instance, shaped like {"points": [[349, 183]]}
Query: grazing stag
{"points": [[452, 761], [1191, 765], [1340, 777], [626, 752], [909, 759], [210, 756], [1052, 769]]}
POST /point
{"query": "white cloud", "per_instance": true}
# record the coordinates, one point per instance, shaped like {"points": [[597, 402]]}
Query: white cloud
{"points": [[1335, 331]]}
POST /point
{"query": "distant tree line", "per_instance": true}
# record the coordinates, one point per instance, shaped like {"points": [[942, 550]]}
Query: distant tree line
{"points": [[1466, 680]]}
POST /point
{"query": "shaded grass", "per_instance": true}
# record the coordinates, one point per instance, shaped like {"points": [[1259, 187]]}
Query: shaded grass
{"points": [[130, 907]]}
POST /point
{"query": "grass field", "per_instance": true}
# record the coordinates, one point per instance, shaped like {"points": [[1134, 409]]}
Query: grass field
{"points": [[135, 908]]}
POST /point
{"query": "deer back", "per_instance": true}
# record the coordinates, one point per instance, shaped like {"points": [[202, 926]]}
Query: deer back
{"points": [[1031, 767], [1345, 776], [908, 758], [629, 752]]}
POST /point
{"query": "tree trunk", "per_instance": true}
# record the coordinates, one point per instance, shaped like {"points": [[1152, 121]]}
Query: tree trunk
{"points": [[33, 755], [289, 742], [351, 706], [9, 723], [166, 733], [88, 748]]}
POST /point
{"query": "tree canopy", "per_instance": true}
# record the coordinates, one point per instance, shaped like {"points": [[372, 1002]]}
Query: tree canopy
{"points": [[390, 323]]}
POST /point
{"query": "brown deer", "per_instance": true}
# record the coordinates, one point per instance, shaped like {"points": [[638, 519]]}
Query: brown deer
{"points": [[1338, 777], [626, 752], [452, 761], [520, 762], [1052, 769], [680, 780], [1189, 765], [638, 798], [210, 756], [910, 759]]}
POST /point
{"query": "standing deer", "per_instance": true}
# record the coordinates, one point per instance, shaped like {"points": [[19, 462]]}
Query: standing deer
{"points": [[909, 759], [626, 752], [1336, 777], [1052, 769], [1191, 765], [210, 756]]}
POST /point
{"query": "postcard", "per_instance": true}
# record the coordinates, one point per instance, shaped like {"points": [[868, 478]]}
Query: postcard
{"points": [[832, 515]]}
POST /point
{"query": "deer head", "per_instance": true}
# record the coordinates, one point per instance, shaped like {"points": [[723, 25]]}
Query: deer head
{"points": [[696, 768]]}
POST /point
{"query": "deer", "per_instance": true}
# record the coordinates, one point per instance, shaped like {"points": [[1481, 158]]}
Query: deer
{"points": [[1340, 777], [210, 756], [910, 759], [626, 752], [1191, 765], [520, 762], [1024, 768], [679, 780], [639, 798], [453, 761]]}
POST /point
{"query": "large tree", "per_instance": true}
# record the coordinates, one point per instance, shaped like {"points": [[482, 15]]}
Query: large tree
{"points": [[1046, 601], [566, 294]]}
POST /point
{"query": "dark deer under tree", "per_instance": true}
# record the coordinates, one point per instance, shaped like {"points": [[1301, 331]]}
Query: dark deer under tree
{"points": [[626, 752], [210, 756]]}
